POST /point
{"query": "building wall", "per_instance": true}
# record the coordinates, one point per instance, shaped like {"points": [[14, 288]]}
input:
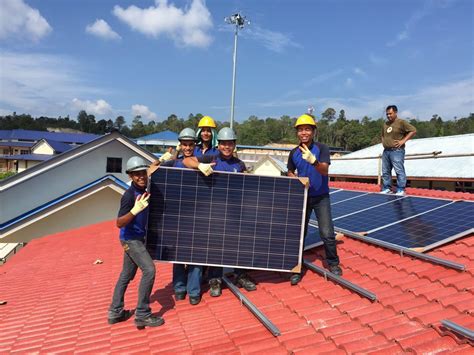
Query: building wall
{"points": [[62, 179], [267, 169], [43, 148], [99, 207]]}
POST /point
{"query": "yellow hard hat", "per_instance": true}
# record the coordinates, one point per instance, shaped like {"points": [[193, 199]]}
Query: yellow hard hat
{"points": [[207, 121], [305, 119]]}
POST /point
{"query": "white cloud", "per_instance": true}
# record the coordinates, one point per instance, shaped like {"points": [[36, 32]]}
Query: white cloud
{"points": [[144, 111], [321, 78], [18, 19], [377, 60], [41, 84], [99, 107], [359, 71], [186, 27], [447, 100], [101, 29], [272, 40], [349, 83]]}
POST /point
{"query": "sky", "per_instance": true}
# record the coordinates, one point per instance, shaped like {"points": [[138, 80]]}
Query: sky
{"points": [[155, 58]]}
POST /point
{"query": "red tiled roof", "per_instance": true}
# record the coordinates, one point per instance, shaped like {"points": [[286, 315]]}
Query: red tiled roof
{"points": [[58, 300]]}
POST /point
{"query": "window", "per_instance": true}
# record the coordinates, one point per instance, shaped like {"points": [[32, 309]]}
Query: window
{"points": [[24, 151], [114, 165]]}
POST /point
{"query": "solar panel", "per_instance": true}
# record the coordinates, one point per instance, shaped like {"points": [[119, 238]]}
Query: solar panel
{"points": [[376, 217], [344, 195], [226, 219], [360, 203], [431, 229]]}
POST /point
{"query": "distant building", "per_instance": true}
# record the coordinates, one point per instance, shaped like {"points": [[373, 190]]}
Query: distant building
{"points": [[158, 140], [270, 166], [22, 149]]}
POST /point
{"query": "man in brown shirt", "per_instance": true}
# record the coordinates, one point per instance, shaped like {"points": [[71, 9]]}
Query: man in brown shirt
{"points": [[395, 133]]}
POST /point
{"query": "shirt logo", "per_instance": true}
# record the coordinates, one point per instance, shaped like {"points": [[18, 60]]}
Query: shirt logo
{"points": [[389, 129]]}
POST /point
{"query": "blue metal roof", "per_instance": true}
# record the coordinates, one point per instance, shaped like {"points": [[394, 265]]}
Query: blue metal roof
{"points": [[24, 134], [35, 157], [62, 198], [165, 135]]}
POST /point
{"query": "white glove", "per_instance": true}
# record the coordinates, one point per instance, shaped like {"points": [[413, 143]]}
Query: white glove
{"points": [[206, 169], [307, 155], [140, 204], [165, 157], [178, 148]]}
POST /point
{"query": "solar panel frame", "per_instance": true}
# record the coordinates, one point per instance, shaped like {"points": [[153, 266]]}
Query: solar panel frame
{"points": [[235, 196], [344, 195]]}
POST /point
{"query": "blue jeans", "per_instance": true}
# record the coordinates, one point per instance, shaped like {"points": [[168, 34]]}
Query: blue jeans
{"points": [[393, 158], [322, 207], [187, 278], [135, 256]]}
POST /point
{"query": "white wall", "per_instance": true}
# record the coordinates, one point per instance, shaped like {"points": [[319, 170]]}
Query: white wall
{"points": [[43, 148]]}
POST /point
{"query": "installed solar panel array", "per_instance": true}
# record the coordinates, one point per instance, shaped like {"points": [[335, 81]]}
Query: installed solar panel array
{"points": [[226, 219], [410, 222]]}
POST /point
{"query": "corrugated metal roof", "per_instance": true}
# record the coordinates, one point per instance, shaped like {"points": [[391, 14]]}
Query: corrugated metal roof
{"points": [[17, 144], [165, 135], [78, 138], [449, 167], [35, 157]]}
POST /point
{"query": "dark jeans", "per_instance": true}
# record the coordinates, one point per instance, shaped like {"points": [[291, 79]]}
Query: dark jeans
{"points": [[322, 207], [393, 159], [187, 278], [135, 256]]}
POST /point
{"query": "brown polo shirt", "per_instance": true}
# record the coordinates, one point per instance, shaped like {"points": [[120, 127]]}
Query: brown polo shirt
{"points": [[395, 131]]}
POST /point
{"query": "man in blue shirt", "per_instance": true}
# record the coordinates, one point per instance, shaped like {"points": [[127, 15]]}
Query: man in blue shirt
{"points": [[311, 159], [225, 161], [186, 278], [132, 221]]}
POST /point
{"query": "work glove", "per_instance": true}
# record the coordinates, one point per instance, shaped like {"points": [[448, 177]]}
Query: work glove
{"points": [[178, 148], [206, 169], [307, 155], [141, 202], [165, 157]]}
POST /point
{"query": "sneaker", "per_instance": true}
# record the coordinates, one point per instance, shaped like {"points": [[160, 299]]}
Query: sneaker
{"points": [[124, 315], [244, 281], [150, 321], [215, 287], [295, 279], [386, 191], [194, 300], [179, 296], [400, 192], [336, 270]]}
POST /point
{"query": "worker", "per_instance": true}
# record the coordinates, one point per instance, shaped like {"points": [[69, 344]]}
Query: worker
{"points": [[206, 137], [132, 221], [224, 161], [186, 278], [311, 159]]}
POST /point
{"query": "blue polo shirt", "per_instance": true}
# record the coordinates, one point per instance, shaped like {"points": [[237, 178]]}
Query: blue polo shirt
{"points": [[318, 184], [175, 163], [213, 151], [136, 229], [233, 164]]}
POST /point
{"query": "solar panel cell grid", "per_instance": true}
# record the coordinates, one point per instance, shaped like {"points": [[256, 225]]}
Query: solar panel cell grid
{"points": [[226, 219]]}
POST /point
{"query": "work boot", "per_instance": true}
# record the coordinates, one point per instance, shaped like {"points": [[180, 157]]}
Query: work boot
{"points": [[215, 287], [150, 321], [179, 296], [336, 270], [194, 300], [246, 282], [295, 279], [123, 316]]}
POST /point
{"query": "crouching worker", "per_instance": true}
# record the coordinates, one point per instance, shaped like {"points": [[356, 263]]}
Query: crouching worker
{"points": [[225, 161], [132, 220], [186, 278]]}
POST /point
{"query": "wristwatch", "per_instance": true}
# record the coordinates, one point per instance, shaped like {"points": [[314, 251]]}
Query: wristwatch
{"points": [[316, 163]]}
